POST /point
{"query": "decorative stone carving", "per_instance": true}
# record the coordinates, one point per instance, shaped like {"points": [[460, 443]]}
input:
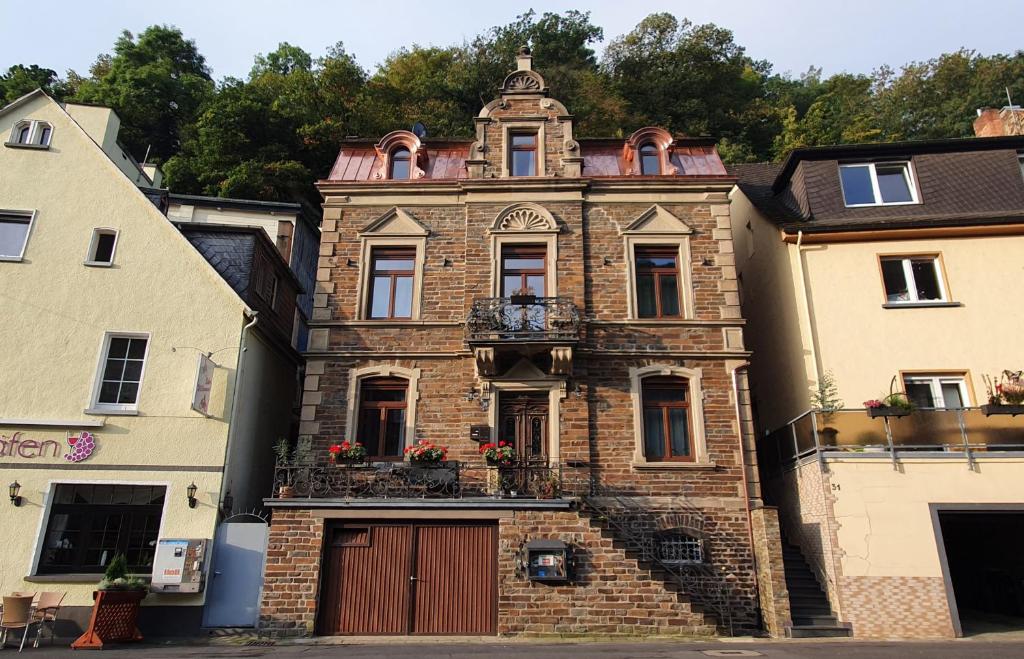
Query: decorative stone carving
{"points": [[525, 217], [561, 360], [484, 361], [523, 82]]}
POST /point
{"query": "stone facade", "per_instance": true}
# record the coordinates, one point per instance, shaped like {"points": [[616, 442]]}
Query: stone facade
{"points": [[586, 225], [896, 607]]}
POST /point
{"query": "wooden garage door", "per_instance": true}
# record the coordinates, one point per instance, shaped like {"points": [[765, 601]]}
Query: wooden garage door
{"points": [[410, 578]]}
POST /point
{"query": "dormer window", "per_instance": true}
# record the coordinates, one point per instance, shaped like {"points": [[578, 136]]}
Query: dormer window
{"points": [[523, 158], [31, 133], [650, 160], [400, 164], [877, 184]]}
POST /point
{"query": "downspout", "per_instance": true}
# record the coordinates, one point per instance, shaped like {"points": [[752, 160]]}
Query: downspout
{"points": [[806, 299], [236, 391]]}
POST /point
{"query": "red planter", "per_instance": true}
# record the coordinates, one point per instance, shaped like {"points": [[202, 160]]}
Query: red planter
{"points": [[113, 620]]}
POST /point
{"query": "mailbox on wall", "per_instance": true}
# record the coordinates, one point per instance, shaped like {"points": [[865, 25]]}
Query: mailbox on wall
{"points": [[179, 565], [480, 433], [548, 560]]}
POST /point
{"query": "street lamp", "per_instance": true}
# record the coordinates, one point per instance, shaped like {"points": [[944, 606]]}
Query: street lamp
{"points": [[191, 492], [14, 489]]}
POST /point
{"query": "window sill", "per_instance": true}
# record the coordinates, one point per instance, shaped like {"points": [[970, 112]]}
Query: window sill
{"points": [[98, 264], [672, 466], [37, 147], [75, 577], [11, 259], [98, 411], [920, 305], [891, 203]]}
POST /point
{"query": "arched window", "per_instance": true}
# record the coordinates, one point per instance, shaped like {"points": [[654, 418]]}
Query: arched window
{"points": [[650, 160], [23, 133], [35, 133], [677, 547], [400, 163], [666, 419], [43, 132], [382, 410]]}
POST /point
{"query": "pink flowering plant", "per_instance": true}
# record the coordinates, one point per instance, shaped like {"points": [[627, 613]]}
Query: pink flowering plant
{"points": [[424, 452], [897, 400], [1006, 388]]}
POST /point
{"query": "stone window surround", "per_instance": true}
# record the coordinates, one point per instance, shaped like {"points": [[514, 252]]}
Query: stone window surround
{"points": [[693, 377], [661, 139], [546, 235], [367, 242], [412, 396], [401, 139], [682, 242], [522, 125], [556, 392]]}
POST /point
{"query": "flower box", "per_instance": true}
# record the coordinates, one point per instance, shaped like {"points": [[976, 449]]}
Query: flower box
{"points": [[887, 410], [113, 619], [1012, 410]]}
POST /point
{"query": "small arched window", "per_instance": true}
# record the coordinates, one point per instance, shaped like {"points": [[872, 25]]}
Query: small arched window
{"points": [[23, 133], [650, 160], [43, 132], [400, 163], [31, 133]]}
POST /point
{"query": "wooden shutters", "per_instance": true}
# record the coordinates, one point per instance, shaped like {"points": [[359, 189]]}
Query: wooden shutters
{"points": [[410, 578]]}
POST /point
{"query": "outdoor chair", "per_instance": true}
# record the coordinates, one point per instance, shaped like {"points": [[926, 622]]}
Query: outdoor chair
{"points": [[47, 608], [17, 614]]}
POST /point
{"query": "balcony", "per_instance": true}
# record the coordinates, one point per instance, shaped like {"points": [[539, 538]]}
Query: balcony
{"points": [[524, 323], [449, 480], [939, 433]]}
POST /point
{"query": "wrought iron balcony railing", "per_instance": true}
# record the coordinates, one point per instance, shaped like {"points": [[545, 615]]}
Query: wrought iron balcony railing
{"points": [[448, 480], [523, 318], [920, 433]]}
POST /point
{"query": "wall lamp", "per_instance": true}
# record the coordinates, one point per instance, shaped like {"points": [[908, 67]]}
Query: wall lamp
{"points": [[14, 490], [191, 492]]}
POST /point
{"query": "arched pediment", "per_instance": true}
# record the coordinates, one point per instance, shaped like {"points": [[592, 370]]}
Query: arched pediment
{"points": [[395, 222], [657, 221], [525, 217], [394, 140], [660, 138], [523, 82]]}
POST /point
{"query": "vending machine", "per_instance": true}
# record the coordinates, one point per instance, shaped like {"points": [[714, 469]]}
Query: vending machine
{"points": [[179, 565]]}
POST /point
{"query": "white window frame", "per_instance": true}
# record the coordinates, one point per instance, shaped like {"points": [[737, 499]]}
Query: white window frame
{"points": [[936, 382], [36, 127], [95, 407], [908, 275], [908, 174], [31, 215], [90, 256]]}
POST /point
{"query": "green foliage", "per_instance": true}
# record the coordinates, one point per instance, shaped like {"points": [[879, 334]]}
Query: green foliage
{"points": [[117, 569], [20, 80], [825, 395]]}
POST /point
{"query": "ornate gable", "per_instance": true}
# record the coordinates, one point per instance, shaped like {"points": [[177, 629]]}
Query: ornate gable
{"points": [[657, 221], [396, 222]]}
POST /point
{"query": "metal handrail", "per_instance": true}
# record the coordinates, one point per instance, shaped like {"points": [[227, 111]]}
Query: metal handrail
{"points": [[523, 318]]}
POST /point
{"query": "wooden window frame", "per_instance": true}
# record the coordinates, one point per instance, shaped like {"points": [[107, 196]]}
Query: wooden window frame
{"points": [[669, 382], [393, 253], [523, 250], [658, 272], [392, 159], [384, 383], [657, 154], [513, 149]]}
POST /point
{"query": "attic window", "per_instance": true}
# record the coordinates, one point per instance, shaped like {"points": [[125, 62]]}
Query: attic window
{"points": [[400, 164], [29, 133], [877, 184], [650, 160], [523, 154]]}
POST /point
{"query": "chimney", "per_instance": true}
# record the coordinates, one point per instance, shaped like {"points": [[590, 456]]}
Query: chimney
{"points": [[524, 61], [100, 123], [155, 174], [996, 123]]}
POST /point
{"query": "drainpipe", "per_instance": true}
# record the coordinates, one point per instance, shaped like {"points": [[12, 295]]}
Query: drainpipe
{"points": [[806, 299], [236, 391]]}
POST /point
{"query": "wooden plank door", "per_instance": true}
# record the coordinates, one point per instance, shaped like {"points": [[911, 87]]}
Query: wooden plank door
{"points": [[366, 587], [455, 585], [523, 421]]}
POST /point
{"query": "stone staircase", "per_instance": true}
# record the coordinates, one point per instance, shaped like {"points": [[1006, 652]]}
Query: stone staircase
{"points": [[809, 606]]}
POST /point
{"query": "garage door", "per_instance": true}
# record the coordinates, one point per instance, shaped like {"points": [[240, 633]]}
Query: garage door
{"points": [[410, 578]]}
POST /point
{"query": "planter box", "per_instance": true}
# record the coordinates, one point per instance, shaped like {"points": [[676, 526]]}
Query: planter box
{"points": [[1012, 410], [874, 412], [522, 300], [113, 619]]}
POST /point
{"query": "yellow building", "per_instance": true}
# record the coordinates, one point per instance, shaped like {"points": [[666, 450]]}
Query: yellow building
{"points": [[889, 269], [106, 418]]}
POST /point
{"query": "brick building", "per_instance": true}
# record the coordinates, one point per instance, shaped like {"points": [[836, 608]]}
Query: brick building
{"points": [[576, 299]]}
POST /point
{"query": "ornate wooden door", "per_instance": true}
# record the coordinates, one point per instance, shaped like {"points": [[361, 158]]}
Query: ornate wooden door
{"points": [[524, 422]]}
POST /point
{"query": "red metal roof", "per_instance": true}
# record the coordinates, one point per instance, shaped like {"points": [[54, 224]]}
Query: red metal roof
{"points": [[359, 162]]}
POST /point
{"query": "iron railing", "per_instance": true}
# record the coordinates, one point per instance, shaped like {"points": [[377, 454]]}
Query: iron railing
{"points": [[922, 433], [523, 318], [404, 480]]}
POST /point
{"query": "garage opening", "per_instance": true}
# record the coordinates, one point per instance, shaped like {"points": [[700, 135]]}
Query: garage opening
{"points": [[410, 578], [986, 567]]}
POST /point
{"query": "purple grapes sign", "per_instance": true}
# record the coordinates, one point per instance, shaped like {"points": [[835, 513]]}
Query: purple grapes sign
{"points": [[79, 446], [82, 446]]}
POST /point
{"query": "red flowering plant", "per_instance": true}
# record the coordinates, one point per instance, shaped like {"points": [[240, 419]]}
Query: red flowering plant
{"points": [[347, 451], [1006, 388], [500, 454], [424, 452]]}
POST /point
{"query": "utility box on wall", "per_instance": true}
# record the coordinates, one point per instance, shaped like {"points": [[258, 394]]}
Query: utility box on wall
{"points": [[548, 560], [179, 565]]}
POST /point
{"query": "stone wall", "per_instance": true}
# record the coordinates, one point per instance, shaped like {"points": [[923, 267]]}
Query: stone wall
{"points": [[771, 571]]}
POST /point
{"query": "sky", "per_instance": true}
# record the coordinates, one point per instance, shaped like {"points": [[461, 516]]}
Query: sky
{"points": [[837, 35]]}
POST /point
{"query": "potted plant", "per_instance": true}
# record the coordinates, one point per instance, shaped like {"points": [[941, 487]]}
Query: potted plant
{"points": [[895, 404], [347, 453], [502, 454], [288, 458], [426, 454], [115, 608], [1005, 394], [548, 487]]}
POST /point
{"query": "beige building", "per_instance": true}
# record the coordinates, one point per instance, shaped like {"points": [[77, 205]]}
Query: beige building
{"points": [[889, 268], [129, 363]]}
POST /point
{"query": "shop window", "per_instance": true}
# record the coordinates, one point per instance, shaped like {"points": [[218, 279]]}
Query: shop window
{"points": [[677, 547], [89, 524], [666, 419], [101, 247], [382, 417], [392, 275], [15, 227], [657, 281], [913, 279], [121, 370]]}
